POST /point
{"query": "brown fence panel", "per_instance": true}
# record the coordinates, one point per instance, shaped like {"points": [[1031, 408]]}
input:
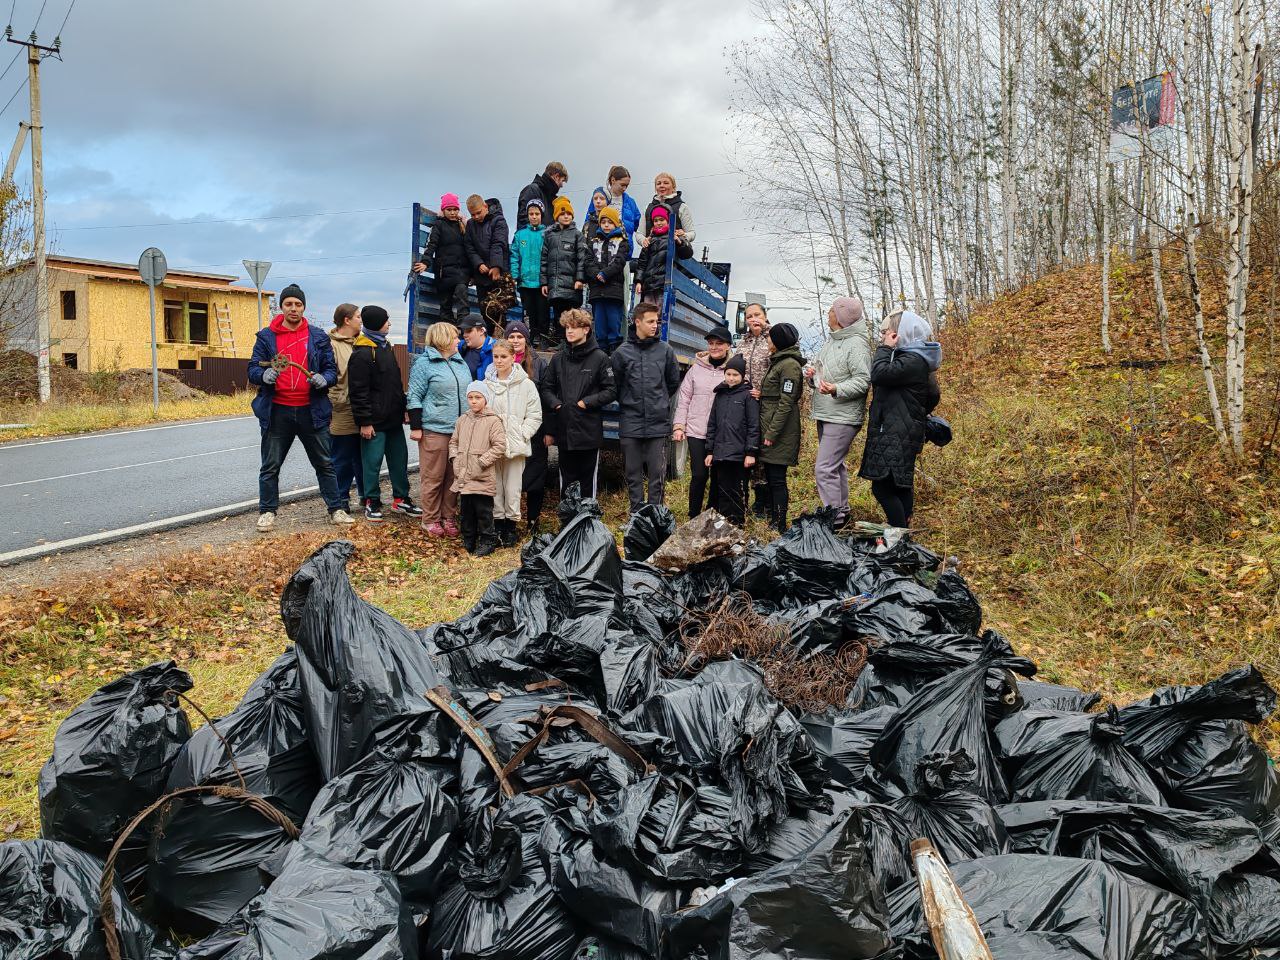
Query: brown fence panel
{"points": [[222, 375], [403, 359]]}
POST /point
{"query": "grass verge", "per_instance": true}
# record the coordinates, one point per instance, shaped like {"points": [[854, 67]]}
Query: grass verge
{"points": [[59, 419]]}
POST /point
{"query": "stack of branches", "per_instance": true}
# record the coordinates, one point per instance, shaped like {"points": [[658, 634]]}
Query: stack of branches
{"points": [[798, 678]]}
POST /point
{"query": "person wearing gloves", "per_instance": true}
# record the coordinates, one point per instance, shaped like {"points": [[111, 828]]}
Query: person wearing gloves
{"points": [[648, 375], [378, 406], [445, 255], [839, 377], [344, 438], [564, 261], [904, 392], [293, 403], [780, 418], [733, 440], [488, 244], [516, 402], [437, 396], [477, 445], [693, 409], [577, 386], [526, 269], [607, 253]]}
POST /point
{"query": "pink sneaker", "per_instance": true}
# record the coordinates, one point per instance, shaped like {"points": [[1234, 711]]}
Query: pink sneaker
{"points": [[433, 529], [451, 528]]}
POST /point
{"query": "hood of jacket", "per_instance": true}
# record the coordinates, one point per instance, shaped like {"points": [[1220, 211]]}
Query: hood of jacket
{"points": [[367, 339], [791, 351], [434, 355], [495, 207], [579, 351], [930, 351], [546, 185], [703, 359], [348, 338], [277, 325], [516, 376], [646, 343]]}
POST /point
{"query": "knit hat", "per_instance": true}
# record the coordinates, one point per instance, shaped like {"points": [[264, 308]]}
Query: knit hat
{"points": [[292, 290], [612, 215], [848, 311], [373, 318], [480, 387], [719, 333], [784, 335], [535, 202], [520, 327], [449, 200], [737, 362], [561, 205]]}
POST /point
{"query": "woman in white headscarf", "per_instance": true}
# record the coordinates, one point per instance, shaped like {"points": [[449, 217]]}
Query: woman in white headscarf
{"points": [[904, 392]]}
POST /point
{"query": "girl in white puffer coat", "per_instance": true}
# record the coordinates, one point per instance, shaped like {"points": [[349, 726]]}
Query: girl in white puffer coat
{"points": [[516, 402]]}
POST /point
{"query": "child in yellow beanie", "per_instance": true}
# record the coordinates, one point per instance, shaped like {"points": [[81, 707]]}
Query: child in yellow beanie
{"points": [[564, 261], [607, 252]]}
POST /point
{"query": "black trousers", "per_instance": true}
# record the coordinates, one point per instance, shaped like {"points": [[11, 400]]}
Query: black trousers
{"points": [[537, 310], [534, 480], [775, 476], [729, 487], [454, 300], [579, 466], [477, 519], [898, 503], [700, 475]]}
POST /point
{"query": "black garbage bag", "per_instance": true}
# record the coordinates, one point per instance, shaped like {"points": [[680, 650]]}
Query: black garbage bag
{"points": [[943, 808], [653, 590], [205, 850], [1053, 696], [903, 555], [1072, 756], [809, 562], [359, 667], [490, 617], [956, 604], [842, 740], [395, 809], [822, 904], [888, 837], [899, 668], [49, 900], [797, 833], [317, 910], [503, 906], [579, 574], [628, 672], [1194, 741], [946, 715], [1059, 908], [573, 504], [1221, 864], [111, 759], [609, 898], [648, 529]]}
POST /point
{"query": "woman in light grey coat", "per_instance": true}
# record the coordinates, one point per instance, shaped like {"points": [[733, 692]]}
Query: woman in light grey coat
{"points": [[840, 376]]}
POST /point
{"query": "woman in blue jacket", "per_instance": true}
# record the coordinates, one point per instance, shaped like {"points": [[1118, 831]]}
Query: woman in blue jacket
{"points": [[436, 398]]}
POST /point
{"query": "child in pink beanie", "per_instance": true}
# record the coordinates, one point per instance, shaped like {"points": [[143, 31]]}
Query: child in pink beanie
{"points": [[445, 256]]}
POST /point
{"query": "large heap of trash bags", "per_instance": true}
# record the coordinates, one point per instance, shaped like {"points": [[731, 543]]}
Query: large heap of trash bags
{"points": [[549, 777]]}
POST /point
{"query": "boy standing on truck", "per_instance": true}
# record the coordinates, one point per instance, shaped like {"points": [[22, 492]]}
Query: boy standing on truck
{"points": [[564, 261], [526, 268], [607, 252], [648, 375], [488, 247]]}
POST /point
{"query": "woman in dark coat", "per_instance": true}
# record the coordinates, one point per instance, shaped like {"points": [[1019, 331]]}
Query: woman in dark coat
{"points": [[904, 392]]}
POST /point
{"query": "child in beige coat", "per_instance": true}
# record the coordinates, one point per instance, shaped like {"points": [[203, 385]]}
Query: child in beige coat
{"points": [[478, 443]]}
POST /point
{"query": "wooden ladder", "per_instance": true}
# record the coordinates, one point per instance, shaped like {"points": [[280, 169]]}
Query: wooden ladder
{"points": [[226, 329]]}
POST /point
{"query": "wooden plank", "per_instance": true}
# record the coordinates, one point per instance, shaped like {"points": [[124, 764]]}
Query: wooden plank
{"points": [[697, 296], [696, 270]]}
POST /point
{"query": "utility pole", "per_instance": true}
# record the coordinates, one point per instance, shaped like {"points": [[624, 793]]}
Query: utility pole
{"points": [[36, 53]]}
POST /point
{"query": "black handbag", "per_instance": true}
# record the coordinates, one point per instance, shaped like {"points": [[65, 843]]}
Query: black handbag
{"points": [[937, 431]]}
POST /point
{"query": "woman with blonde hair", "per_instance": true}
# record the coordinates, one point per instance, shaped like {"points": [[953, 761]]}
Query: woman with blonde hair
{"points": [[436, 398], [666, 195]]}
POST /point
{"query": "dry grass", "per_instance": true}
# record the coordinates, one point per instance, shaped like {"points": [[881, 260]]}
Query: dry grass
{"points": [[57, 418]]}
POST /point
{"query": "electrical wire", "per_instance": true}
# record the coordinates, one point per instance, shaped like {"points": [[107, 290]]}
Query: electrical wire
{"points": [[65, 19], [44, 4], [11, 63], [21, 87], [188, 223]]}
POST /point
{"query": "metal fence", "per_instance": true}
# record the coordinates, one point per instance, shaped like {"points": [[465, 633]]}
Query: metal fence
{"points": [[227, 375]]}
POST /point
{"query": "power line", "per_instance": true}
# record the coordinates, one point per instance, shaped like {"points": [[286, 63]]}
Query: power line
{"points": [[21, 87], [11, 63], [66, 18], [346, 256], [188, 223], [39, 15]]}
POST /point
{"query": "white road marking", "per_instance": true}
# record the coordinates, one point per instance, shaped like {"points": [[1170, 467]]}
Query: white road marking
{"points": [[119, 433], [128, 466]]}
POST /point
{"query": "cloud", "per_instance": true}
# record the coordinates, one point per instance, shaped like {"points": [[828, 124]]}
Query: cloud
{"points": [[166, 112]]}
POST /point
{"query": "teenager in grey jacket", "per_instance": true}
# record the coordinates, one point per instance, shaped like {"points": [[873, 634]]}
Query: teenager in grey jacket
{"points": [[840, 375], [648, 375]]}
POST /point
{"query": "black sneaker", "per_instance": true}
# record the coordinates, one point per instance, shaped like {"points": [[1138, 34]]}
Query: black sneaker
{"points": [[373, 511], [407, 507]]}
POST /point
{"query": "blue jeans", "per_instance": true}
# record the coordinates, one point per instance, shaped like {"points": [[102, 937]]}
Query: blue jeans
{"points": [[286, 424], [346, 463], [608, 315]]}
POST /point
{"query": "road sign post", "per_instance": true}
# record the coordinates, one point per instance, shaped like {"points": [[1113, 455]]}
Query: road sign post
{"points": [[258, 270], [152, 267]]}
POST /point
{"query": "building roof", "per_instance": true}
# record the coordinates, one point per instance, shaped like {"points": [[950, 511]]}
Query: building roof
{"points": [[175, 277]]}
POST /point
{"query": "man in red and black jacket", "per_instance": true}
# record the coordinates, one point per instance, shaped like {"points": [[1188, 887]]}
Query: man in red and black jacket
{"points": [[293, 402]]}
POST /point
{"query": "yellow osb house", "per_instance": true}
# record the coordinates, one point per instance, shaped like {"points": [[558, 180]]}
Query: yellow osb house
{"points": [[99, 316]]}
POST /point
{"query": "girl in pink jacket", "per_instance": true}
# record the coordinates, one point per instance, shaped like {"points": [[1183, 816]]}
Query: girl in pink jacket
{"points": [[693, 410]]}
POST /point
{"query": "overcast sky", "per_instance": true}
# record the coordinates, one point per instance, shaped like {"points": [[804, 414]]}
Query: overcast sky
{"points": [[176, 110]]}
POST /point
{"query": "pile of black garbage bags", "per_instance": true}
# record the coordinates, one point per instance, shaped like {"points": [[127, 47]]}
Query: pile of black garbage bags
{"points": [[545, 779]]}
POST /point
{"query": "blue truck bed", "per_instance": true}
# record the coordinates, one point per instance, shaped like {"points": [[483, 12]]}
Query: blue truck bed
{"points": [[701, 291]]}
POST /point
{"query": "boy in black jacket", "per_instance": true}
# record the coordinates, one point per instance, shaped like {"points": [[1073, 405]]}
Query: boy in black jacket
{"points": [[445, 255], [651, 266], [607, 253], [648, 375], [733, 439], [488, 248], [378, 406], [564, 261], [577, 385]]}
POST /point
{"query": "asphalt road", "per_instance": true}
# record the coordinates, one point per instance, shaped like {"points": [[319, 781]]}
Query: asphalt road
{"points": [[95, 487]]}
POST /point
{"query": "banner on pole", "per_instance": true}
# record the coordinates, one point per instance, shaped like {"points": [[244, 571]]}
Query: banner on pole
{"points": [[1147, 109]]}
